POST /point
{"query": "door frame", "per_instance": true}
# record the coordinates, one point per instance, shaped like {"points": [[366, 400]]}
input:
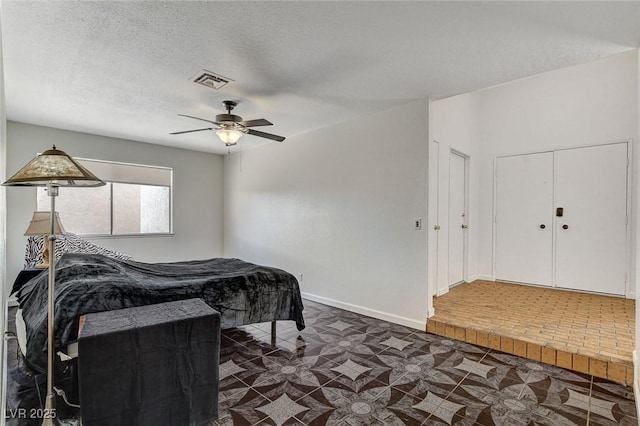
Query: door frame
{"points": [[465, 235], [433, 223], [629, 288]]}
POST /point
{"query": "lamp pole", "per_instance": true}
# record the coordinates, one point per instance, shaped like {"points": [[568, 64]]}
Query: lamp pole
{"points": [[50, 401]]}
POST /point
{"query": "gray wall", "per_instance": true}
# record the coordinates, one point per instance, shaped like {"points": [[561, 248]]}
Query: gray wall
{"points": [[338, 206], [197, 201], [3, 254]]}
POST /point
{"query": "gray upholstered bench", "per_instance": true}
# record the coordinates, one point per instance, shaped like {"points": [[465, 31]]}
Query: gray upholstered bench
{"points": [[150, 365]]}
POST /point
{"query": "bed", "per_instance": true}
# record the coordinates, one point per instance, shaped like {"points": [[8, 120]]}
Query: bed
{"points": [[243, 293]]}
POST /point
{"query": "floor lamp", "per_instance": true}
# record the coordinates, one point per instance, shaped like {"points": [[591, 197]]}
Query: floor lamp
{"points": [[53, 169], [41, 225]]}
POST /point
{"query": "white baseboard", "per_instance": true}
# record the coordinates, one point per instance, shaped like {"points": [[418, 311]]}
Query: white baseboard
{"points": [[12, 301], [385, 316], [442, 291], [636, 381], [473, 278], [431, 312], [631, 295]]}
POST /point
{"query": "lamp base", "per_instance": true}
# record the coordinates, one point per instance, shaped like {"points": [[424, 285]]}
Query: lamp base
{"points": [[50, 415]]}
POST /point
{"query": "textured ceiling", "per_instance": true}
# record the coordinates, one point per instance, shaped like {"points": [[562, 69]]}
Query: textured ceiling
{"points": [[123, 69]]}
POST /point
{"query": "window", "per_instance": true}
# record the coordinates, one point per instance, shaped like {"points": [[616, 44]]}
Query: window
{"points": [[135, 200]]}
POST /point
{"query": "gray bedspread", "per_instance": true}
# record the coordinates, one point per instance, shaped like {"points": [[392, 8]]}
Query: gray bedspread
{"points": [[242, 292]]}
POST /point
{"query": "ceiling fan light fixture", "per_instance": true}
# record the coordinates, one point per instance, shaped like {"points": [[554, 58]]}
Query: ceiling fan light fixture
{"points": [[229, 136]]}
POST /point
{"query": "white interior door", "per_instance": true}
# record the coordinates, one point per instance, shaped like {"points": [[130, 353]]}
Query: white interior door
{"points": [[591, 187], [524, 228], [457, 217]]}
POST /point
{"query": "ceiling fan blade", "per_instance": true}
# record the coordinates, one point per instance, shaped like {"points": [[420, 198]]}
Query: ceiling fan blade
{"points": [[258, 122], [265, 135], [189, 131], [198, 118]]}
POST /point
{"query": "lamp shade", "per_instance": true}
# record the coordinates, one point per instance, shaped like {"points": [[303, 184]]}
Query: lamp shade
{"points": [[53, 167], [229, 136], [41, 224]]}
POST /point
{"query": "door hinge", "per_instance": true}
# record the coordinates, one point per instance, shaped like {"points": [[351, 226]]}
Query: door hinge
{"points": [[626, 220]]}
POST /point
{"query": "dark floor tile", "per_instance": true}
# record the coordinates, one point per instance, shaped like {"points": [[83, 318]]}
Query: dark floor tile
{"points": [[485, 405], [358, 373], [539, 371], [612, 390], [348, 369], [328, 344], [549, 387], [308, 371], [422, 341], [295, 390], [383, 406], [280, 326], [242, 408], [407, 369], [595, 420], [492, 373], [611, 406]]}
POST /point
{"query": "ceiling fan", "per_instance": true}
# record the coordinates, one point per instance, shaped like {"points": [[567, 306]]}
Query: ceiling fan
{"points": [[230, 128]]}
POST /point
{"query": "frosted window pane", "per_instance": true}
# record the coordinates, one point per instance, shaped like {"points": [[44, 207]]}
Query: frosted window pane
{"points": [[154, 209], [140, 209], [126, 208], [83, 211]]}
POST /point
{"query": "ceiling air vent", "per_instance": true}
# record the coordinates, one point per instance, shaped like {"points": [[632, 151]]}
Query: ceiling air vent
{"points": [[209, 79]]}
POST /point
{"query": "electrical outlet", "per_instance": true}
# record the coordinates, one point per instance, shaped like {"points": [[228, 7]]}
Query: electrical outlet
{"points": [[418, 224]]}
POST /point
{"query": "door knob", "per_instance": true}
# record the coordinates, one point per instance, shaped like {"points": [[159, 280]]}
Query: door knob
{"points": [[465, 226], [565, 226], [542, 226]]}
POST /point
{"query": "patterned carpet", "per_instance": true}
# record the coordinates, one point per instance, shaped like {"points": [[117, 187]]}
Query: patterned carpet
{"points": [[347, 369]]}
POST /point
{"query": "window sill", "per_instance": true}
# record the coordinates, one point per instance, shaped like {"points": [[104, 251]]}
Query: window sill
{"points": [[110, 236]]}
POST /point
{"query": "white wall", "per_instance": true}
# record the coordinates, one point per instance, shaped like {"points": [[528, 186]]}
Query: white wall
{"points": [[3, 234], [197, 193], [581, 105], [454, 126], [635, 220], [338, 205], [586, 104]]}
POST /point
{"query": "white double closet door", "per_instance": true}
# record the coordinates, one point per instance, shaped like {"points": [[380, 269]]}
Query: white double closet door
{"points": [[561, 218]]}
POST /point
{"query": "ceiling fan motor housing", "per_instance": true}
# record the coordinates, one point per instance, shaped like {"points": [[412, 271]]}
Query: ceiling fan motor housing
{"points": [[221, 118]]}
